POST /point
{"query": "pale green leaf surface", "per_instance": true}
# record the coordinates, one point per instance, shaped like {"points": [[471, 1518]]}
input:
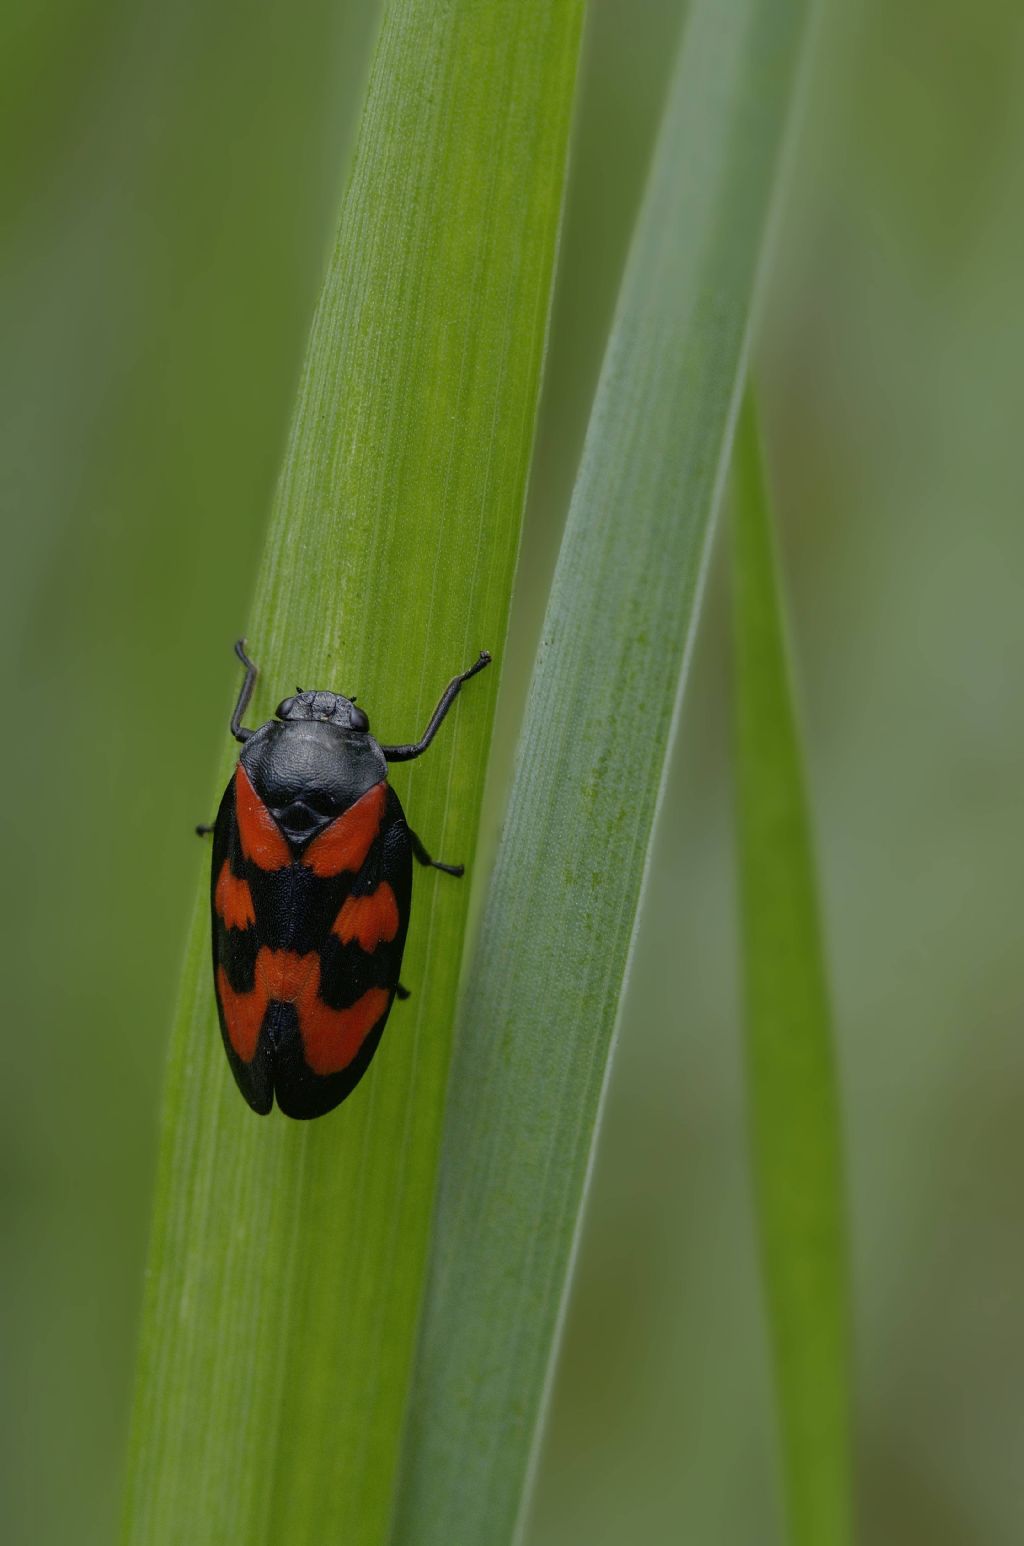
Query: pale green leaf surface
{"points": [[547, 976], [287, 1258], [793, 1102]]}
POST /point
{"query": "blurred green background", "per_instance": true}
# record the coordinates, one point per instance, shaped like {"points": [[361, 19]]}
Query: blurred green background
{"points": [[169, 188]]}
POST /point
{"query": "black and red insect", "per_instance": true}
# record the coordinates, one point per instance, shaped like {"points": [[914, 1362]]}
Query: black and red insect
{"points": [[311, 887]]}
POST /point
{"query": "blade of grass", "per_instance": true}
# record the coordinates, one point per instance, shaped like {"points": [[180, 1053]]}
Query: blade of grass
{"points": [[287, 1259], [547, 976], [794, 1108]]}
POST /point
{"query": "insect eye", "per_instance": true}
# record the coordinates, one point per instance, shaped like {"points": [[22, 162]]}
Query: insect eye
{"points": [[359, 720]]}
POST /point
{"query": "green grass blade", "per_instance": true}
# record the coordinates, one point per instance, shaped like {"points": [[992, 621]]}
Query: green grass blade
{"points": [[287, 1259], [546, 979], [794, 1107]]}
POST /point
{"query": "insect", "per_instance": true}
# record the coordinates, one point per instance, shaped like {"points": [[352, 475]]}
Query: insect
{"points": [[310, 891]]}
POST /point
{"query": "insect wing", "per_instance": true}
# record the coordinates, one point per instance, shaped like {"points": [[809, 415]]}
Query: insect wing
{"points": [[327, 1036], [235, 950]]}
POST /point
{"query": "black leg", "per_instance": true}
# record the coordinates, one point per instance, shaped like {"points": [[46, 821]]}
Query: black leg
{"points": [[203, 831], [420, 854], [401, 992], [238, 730], [414, 748]]}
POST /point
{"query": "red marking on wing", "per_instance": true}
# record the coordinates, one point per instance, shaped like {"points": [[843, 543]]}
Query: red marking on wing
{"points": [[286, 976], [243, 1015], [233, 899], [346, 842], [331, 1038], [369, 919], [262, 839]]}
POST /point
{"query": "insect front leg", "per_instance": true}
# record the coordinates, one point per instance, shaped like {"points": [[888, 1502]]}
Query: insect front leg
{"points": [[415, 748], [238, 730]]}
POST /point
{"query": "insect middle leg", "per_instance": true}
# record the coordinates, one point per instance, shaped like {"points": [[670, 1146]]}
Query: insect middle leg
{"points": [[422, 857]]}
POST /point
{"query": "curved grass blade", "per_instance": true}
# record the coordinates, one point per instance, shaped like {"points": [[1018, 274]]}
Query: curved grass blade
{"points": [[287, 1259], [546, 979], [794, 1108]]}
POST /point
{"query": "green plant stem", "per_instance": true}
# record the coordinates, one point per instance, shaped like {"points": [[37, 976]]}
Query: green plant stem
{"points": [[794, 1107], [287, 1260], [547, 976]]}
